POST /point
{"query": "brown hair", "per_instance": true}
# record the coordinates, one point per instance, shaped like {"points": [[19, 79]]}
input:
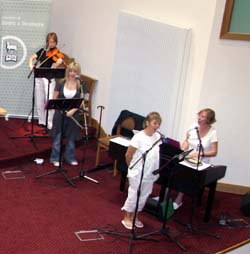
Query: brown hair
{"points": [[53, 36], [152, 116], [210, 115]]}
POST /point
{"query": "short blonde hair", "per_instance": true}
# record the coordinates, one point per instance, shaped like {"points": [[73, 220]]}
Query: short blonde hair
{"points": [[152, 116], [210, 115]]}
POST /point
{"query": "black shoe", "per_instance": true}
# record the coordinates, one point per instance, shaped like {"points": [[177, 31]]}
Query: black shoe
{"points": [[41, 125]]}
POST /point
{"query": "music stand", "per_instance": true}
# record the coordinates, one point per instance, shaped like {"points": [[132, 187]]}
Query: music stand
{"points": [[189, 226], [64, 105], [40, 73], [169, 165]]}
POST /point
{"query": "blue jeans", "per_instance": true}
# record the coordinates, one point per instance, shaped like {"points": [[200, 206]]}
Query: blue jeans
{"points": [[69, 153]]}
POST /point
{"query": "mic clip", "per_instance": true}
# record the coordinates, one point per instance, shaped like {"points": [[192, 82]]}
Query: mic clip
{"points": [[78, 78]]}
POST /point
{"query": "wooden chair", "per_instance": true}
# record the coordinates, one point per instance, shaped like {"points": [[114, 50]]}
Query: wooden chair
{"points": [[103, 143], [3, 111], [89, 82]]}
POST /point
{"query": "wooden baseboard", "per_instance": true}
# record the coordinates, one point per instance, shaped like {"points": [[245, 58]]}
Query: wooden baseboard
{"points": [[234, 247], [232, 188]]}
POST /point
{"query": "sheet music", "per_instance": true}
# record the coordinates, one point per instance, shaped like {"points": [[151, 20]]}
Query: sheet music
{"points": [[135, 131], [201, 167], [121, 141]]}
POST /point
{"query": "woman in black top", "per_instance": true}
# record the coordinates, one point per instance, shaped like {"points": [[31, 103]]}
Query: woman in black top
{"points": [[69, 88]]}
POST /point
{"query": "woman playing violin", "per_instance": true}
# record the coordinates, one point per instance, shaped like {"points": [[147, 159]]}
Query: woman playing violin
{"points": [[48, 57]]}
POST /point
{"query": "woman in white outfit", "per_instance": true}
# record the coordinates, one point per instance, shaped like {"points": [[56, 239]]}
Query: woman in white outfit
{"points": [[146, 140]]}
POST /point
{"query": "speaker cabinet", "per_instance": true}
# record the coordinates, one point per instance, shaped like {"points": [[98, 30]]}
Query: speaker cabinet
{"points": [[245, 204]]}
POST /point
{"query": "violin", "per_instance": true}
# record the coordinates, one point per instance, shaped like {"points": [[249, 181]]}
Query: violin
{"points": [[54, 54]]}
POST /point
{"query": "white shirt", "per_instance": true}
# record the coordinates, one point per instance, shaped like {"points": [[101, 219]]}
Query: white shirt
{"points": [[143, 143], [206, 141], [69, 93]]}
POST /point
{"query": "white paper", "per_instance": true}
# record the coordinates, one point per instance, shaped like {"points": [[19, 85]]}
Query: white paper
{"points": [[121, 141], [135, 131], [201, 167]]}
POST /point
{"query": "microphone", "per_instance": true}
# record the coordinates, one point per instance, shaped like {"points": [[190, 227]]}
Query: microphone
{"points": [[194, 128], [200, 147], [78, 78], [198, 132], [84, 87], [83, 110]]}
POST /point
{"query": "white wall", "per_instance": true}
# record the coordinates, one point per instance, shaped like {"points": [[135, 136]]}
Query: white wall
{"points": [[88, 28], [226, 88]]}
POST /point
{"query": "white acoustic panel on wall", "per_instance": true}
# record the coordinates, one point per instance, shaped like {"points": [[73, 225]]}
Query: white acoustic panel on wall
{"points": [[149, 70]]}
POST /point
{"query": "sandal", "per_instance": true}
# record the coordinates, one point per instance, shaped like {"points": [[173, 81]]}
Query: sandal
{"points": [[138, 224], [176, 206], [127, 226]]}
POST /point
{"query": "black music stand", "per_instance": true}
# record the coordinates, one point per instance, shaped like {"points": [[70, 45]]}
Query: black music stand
{"points": [[169, 165], [40, 73], [190, 226], [64, 105]]}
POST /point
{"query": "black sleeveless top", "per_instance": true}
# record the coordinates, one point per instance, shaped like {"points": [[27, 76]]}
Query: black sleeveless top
{"points": [[71, 130]]}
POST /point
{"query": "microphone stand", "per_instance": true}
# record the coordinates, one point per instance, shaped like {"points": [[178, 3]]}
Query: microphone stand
{"points": [[200, 148], [146, 152], [82, 173], [60, 168]]}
